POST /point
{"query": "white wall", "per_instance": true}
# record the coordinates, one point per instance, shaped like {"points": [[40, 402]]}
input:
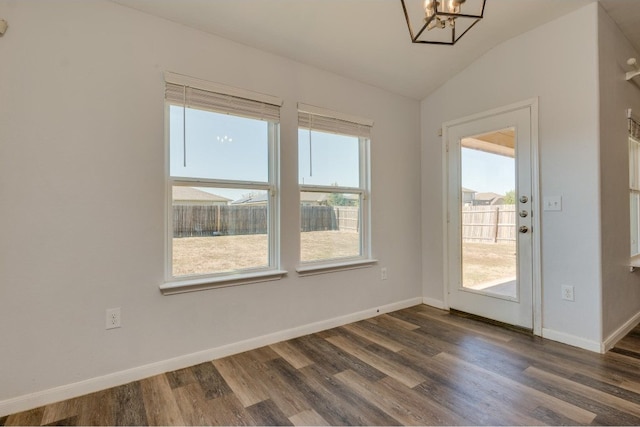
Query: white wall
{"points": [[82, 184], [620, 288], [556, 62]]}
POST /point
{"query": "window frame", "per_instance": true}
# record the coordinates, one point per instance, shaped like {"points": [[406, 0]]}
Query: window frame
{"points": [[364, 259], [194, 282], [634, 195]]}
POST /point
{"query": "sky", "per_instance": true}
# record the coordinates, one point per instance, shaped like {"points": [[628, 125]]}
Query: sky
{"points": [[221, 146], [486, 172]]}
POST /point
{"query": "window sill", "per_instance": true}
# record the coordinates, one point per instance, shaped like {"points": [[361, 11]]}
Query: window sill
{"points": [[634, 262], [313, 269], [204, 283]]}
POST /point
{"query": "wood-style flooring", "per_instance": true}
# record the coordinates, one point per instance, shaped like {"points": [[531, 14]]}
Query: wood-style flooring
{"points": [[418, 366]]}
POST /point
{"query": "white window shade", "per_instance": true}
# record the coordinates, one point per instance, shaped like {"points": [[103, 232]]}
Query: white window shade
{"points": [[195, 93], [320, 119]]}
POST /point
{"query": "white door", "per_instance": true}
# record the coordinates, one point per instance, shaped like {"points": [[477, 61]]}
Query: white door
{"points": [[490, 210]]}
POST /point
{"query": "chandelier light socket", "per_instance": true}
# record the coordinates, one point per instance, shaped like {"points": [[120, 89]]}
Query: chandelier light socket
{"points": [[441, 21]]}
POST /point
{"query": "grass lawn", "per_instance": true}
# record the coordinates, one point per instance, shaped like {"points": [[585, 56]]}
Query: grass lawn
{"points": [[202, 255]]}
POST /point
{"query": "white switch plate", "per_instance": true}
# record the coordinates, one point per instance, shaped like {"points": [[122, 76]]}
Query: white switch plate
{"points": [[552, 203]]}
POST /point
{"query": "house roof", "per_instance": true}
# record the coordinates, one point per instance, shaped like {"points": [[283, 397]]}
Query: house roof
{"points": [[305, 197], [194, 195], [488, 196]]}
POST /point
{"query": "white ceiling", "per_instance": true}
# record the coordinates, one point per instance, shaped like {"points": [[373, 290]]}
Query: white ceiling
{"points": [[626, 13], [368, 40]]}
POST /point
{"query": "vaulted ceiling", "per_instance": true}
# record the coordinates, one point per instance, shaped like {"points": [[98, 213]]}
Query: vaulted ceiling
{"points": [[368, 40]]}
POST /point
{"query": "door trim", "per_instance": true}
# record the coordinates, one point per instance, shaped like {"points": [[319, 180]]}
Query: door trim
{"points": [[532, 105]]}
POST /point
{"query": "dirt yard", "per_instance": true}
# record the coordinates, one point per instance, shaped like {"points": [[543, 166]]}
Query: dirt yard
{"points": [[487, 262], [201, 255], [483, 262]]}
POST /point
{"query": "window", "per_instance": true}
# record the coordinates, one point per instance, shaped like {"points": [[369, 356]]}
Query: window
{"points": [[634, 184], [221, 181], [333, 168]]}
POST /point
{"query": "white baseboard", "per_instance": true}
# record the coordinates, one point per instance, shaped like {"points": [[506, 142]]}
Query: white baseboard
{"points": [[619, 333], [571, 340], [434, 303], [56, 394]]}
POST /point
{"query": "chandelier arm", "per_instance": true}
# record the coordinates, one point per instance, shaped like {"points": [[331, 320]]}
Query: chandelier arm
{"points": [[424, 27], [465, 31], [406, 16], [441, 15]]}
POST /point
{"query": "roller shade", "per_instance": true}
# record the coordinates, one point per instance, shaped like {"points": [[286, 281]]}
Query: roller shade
{"points": [[316, 118], [202, 94]]}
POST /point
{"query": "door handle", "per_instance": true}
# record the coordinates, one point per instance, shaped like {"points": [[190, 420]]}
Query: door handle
{"points": [[524, 229], [524, 199], [524, 214]]}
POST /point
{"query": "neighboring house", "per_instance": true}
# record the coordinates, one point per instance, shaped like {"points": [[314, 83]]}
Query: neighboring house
{"points": [[307, 198], [252, 199], [488, 199], [468, 196], [193, 197]]}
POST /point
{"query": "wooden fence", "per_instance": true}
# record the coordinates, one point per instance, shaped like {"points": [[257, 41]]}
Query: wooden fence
{"points": [[489, 223], [221, 220]]}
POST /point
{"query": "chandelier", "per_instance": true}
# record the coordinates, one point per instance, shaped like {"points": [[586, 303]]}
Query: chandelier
{"points": [[441, 21]]}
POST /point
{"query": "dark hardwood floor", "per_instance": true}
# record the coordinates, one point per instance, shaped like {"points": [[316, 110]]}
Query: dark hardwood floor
{"points": [[418, 366]]}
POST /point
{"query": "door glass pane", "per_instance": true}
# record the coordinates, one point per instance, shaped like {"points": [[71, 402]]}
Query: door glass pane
{"points": [[488, 213]]}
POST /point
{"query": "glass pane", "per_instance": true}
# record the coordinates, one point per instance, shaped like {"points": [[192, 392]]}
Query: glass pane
{"points": [[219, 230], [328, 159], [488, 213], [218, 146], [330, 225]]}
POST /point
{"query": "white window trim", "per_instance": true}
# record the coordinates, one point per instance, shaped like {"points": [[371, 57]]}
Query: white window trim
{"points": [[634, 182], [634, 185], [308, 268], [180, 284], [204, 283], [330, 267]]}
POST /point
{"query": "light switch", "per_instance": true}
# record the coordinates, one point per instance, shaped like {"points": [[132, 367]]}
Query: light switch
{"points": [[552, 203]]}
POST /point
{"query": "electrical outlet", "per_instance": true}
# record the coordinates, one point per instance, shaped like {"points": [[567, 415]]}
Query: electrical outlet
{"points": [[113, 318], [567, 293], [383, 273]]}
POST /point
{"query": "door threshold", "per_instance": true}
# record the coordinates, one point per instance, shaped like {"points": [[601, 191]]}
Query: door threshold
{"points": [[520, 329]]}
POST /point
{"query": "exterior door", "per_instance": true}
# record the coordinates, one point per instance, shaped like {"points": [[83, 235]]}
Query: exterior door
{"points": [[490, 210]]}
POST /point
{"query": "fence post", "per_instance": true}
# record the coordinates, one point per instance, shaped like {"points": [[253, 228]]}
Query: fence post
{"points": [[218, 219], [497, 222]]}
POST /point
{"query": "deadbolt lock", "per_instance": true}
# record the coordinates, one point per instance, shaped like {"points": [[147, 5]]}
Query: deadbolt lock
{"points": [[524, 199], [524, 229], [524, 214]]}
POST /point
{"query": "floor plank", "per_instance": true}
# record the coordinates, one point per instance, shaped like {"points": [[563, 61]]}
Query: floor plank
{"points": [[160, 405], [308, 418], [417, 366]]}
